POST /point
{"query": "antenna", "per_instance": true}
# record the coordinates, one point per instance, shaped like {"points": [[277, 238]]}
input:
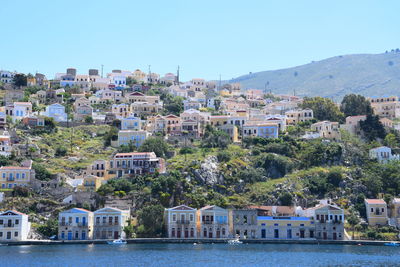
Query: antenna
{"points": [[149, 74], [102, 70], [177, 75]]}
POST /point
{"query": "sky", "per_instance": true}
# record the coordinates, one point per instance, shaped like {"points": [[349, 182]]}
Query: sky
{"points": [[206, 38]]}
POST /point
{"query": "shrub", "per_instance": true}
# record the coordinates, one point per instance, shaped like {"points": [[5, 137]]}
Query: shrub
{"points": [[60, 151]]}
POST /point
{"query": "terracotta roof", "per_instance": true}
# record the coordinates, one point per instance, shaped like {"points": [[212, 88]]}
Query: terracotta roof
{"points": [[375, 201]]}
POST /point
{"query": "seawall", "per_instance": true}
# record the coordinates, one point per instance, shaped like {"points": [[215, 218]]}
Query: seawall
{"points": [[199, 241]]}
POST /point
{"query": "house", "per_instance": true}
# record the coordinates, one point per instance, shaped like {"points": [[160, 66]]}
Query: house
{"points": [[231, 130], [98, 168], [191, 104], [353, 124], [12, 176], [279, 119], [293, 117], [214, 222], [386, 122], [82, 109], [21, 110], [285, 227], [385, 107], [5, 144], [3, 120], [131, 123], [181, 222], [136, 163], [137, 138], [34, 121], [120, 110], [328, 221], [90, 183], [109, 223], [383, 154], [75, 224], [376, 210], [327, 129], [245, 224], [14, 226], [145, 108], [57, 112], [394, 212], [6, 76], [260, 129]]}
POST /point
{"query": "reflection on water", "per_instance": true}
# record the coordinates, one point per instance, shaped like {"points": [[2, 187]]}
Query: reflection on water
{"points": [[161, 255]]}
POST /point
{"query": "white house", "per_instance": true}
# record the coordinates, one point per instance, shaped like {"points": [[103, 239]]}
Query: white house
{"points": [[383, 154], [21, 110], [110, 222], [181, 222], [14, 226], [57, 112]]}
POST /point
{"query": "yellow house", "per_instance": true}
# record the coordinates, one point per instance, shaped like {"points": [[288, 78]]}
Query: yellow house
{"points": [[218, 120], [376, 211], [90, 183]]}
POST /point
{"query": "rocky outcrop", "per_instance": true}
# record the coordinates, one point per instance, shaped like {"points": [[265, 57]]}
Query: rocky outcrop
{"points": [[208, 173]]}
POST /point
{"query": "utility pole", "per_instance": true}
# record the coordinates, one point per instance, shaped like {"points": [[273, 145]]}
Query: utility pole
{"points": [[102, 70], [149, 74], [177, 75]]}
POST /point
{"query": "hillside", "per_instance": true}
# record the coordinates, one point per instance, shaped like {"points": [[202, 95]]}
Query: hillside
{"points": [[365, 74]]}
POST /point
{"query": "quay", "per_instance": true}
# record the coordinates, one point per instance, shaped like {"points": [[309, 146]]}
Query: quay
{"points": [[198, 241]]}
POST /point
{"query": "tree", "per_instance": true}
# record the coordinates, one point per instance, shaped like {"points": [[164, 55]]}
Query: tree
{"points": [[215, 138], [156, 145], [372, 128], [323, 108], [353, 220], [60, 151], [391, 140], [353, 105], [89, 119], [20, 79], [130, 81], [112, 135], [286, 199], [41, 173], [151, 220], [48, 229]]}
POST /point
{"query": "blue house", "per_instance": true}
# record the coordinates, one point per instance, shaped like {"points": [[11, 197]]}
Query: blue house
{"points": [[57, 112], [75, 224]]}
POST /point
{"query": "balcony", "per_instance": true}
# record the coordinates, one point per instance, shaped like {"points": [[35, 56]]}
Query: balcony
{"points": [[7, 225], [182, 222]]}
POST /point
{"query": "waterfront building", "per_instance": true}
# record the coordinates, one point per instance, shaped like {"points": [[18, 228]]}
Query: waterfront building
{"points": [[376, 210], [285, 227], [75, 224], [109, 223], [214, 222], [14, 226], [136, 163], [245, 223], [181, 222], [328, 221], [12, 176]]}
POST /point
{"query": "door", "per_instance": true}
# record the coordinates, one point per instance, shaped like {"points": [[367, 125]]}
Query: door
{"points": [[289, 233], [178, 233], [276, 233], [186, 232], [8, 235], [69, 235], [83, 235], [218, 233], [301, 233], [325, 235], [334, 236], [116, 235], [263, 233], [84, 221]]}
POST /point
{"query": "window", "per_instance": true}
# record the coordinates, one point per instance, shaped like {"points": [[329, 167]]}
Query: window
{"points": [[77, 219], [191, 217], [16, 221], [23, 175], [173, 217], [15, 234]]}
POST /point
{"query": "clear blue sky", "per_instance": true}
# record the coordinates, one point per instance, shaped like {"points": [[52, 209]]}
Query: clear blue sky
{"points": [[206, 38]]}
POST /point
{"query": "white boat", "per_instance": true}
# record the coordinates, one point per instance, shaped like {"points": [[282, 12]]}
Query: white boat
{"points": [[117, 242], [235, 242]]}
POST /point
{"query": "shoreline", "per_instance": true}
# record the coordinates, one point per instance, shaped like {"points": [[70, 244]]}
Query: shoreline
{"points": [[199, 241]]}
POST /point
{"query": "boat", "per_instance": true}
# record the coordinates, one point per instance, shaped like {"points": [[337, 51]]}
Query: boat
{"points": [[235, 241], [117, 242], [392, 244]]}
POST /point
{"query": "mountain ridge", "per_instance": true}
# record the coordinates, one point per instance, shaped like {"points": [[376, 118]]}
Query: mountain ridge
{"points": [[365, 74]]}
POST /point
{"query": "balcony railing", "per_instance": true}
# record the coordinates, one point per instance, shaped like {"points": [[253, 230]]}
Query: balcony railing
{"points": [[183, 222], [7, 225]]}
